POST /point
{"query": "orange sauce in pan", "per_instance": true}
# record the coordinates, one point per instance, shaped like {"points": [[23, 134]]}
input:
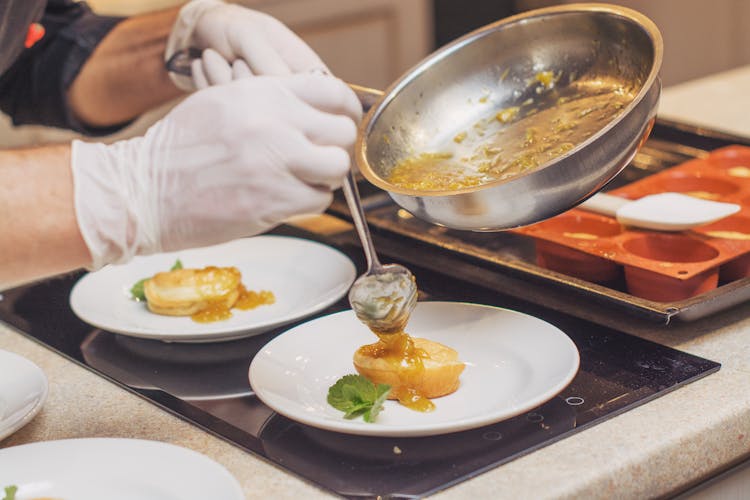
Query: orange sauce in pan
{"points": [[517, 139]]}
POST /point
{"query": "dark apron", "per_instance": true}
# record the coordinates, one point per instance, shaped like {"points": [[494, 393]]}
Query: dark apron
{"points": [[15, 18]]}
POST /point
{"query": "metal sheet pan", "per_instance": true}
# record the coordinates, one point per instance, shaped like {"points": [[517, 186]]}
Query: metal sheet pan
{"points": [[513, 256]]}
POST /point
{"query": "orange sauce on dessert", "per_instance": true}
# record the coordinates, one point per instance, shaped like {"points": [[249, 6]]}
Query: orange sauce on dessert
{"points": [[218, 311], [248, 299], [398, 350]]}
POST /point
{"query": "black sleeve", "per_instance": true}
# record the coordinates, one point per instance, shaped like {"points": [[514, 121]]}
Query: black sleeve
{"points": [[34, 89]]}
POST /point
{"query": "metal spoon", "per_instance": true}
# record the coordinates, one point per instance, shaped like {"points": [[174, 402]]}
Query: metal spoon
{"points": [[384, 297]]}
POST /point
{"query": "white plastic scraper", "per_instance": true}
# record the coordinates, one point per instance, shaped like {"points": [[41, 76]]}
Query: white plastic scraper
{"points": [[663, 212]]}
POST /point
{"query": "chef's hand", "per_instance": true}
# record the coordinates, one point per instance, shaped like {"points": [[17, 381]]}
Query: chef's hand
{"points": [[236, 42], [229, 161]]}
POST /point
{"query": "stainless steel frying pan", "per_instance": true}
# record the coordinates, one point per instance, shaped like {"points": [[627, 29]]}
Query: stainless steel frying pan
{"points": [[587, 47]]}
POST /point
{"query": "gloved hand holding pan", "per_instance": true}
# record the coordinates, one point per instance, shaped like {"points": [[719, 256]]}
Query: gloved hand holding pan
{"points": [[517, 121]]}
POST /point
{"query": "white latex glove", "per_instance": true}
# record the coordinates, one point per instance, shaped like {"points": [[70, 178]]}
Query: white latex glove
{"points": [[229, 161], [241, 42]]}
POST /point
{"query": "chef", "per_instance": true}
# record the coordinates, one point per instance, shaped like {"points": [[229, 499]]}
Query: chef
{"points": [[266, 137]]}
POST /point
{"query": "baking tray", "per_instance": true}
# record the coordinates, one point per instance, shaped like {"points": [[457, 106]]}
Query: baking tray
{"points": [[513, 255], [658, 265]]}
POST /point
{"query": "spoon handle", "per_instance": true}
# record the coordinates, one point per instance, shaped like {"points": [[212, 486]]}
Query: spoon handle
{"points": [[605, 204], [351, 193]]}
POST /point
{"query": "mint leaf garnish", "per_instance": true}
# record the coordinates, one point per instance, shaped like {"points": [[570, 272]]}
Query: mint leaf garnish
{"points": [[137, 290], [355, 395], [383, 390], [10, 492]]}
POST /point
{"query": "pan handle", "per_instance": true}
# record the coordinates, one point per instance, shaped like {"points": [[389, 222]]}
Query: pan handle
{"points": [[181, 61], [366, 95]]}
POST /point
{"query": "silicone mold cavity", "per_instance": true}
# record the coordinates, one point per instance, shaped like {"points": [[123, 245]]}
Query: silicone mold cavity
{"points": [[658, 266]]}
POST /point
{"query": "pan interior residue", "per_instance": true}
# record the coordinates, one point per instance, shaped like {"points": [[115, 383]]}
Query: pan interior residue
{"points": [[517, 138]]}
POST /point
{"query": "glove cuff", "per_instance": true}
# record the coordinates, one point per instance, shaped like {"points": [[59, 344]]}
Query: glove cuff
{"points": [[181, 36], [109, 208]]}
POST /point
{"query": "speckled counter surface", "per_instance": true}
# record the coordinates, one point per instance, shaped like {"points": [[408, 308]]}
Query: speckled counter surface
{"points": [[83, 404], [658, 448]]}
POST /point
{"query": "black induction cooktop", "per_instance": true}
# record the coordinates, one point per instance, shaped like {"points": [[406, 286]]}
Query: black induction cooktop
{"points": [[206, 384]]}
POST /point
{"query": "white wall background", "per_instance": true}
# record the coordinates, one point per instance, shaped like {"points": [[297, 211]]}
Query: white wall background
{"points": [[700, 37]]}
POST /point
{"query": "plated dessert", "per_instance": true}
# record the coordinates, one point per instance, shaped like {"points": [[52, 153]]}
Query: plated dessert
{"points": [[278, 264], [416, 369], [410, 370], [512, 362], [206, 295]]}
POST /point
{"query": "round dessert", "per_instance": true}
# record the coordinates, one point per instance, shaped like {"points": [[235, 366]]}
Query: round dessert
{"points": [[417, 369], [184, 292]]}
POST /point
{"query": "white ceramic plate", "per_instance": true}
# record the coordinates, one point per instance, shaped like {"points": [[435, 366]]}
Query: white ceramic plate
{"points": [[115, 469], [514, 362], [23, 390], [305, 276]]}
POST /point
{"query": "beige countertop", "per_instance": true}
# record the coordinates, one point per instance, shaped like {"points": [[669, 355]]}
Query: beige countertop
{"points": [[720, 102]]}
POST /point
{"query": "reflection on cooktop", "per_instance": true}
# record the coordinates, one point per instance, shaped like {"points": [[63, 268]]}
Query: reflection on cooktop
{"points": [[187, 371], [409, 467]]}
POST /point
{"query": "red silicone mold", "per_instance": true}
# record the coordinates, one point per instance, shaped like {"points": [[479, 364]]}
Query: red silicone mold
{"points": [[658, 266]]}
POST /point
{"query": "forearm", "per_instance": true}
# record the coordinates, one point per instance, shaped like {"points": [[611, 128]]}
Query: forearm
{"points": [[125, 75], [40, 233]]}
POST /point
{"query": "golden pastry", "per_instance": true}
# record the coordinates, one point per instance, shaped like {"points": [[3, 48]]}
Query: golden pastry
{"points": [[417, 369], [184, 292]]}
